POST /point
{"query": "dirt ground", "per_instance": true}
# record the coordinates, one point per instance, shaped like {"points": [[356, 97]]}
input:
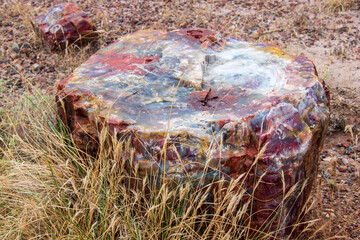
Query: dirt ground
{"points": [[325, 31]]}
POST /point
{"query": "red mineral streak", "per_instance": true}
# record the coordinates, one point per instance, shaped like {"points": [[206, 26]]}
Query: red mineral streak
{"points": [[197, 35], [124, 62], [202, 36]]}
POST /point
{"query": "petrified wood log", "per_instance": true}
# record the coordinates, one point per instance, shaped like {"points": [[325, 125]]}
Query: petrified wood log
{"points": [[212, 104], [65, 23]]}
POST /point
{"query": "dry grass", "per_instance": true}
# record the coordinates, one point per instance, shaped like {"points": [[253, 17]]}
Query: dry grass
{"points": [[341, 5]]}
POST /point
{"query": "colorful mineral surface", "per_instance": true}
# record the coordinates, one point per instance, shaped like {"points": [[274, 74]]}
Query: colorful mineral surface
{"points": [[196, 104], [65, 23]]}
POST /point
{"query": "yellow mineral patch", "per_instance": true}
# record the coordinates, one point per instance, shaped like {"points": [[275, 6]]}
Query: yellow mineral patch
{"points": [[144, 36], [276, 51]]}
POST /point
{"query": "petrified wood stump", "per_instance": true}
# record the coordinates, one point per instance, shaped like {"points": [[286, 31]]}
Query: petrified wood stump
{"points": [[65, 23], [228, 99]]}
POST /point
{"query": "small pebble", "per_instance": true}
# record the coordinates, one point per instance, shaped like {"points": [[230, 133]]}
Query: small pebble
{"points": [[343, 189], [342, 169], [349, 150], [16, 47], [25, 48], [36, 67]]}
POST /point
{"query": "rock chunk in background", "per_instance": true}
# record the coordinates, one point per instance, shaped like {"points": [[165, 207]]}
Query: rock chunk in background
{"points": [[65, 23], [233, 99]]}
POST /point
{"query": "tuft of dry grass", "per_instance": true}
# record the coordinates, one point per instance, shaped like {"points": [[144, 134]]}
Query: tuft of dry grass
{"points": [[341, 5], [26, 13]]}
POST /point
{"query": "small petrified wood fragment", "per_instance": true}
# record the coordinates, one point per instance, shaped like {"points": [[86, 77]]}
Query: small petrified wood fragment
{"points": [[232, 99], [65, 23]]}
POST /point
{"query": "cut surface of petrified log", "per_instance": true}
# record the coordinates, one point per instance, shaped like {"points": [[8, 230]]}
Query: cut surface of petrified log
{"points": [[199, 105], [65, 23]]}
